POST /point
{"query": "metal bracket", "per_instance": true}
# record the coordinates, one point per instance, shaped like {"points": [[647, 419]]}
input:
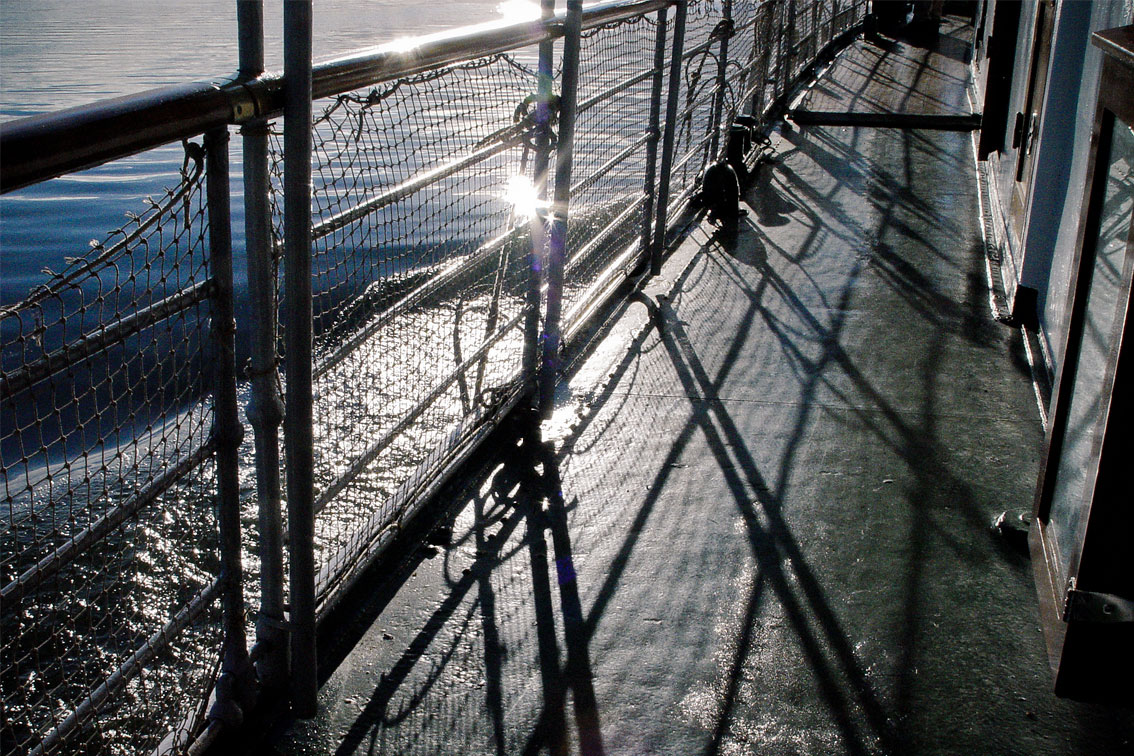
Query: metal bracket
{"points": [[242, 100], [1088, 606]]}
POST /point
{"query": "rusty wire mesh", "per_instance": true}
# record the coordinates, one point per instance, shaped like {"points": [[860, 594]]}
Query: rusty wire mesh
{"points": [[108, 554]]}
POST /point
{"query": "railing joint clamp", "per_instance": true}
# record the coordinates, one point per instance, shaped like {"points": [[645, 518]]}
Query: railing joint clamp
{"points": [[276, 623]]}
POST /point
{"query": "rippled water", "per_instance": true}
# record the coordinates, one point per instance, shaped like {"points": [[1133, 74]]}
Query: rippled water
{"points": [[56, 54]]}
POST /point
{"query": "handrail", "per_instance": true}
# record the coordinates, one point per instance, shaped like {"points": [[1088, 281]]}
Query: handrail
{"points": [[41, 147]]}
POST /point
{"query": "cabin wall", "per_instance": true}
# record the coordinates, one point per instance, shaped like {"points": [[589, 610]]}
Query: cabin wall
{"points": [[1039, 257], [1065, 140], [1060, 167]]}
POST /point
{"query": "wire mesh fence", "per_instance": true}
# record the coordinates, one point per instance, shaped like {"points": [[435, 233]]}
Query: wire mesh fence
{"points": [[429, 236], [422, 236], [107, 554], [613, 132]]}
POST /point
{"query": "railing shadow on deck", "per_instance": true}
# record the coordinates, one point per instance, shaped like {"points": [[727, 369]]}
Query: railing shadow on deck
{"points": [[507, 525], [353, 427]]}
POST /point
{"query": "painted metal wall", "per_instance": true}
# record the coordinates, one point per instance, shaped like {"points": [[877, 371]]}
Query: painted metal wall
{"points": [[1065, 136], [1039, 256]]}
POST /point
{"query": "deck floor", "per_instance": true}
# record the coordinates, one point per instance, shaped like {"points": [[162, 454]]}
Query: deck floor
{"points": [[759, 520]]}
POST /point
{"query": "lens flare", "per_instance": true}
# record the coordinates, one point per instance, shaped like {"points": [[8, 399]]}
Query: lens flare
{"points": [[402, 45], [518, 10], [521, 194]]}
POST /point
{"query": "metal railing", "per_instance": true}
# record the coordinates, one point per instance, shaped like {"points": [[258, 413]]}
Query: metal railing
{"points": [[431, 221]]}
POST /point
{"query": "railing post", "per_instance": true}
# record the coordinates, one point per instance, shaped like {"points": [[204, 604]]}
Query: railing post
{"points": [[762, 30], [787, 31], [816, 17], [236, 688], [655, 135], [265, 407], [557, 245], [717, 122], [298, 431], [540, 163], [668, 137]]}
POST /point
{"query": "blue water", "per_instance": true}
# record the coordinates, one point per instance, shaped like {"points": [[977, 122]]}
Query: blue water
{"points": [[56, 54]]}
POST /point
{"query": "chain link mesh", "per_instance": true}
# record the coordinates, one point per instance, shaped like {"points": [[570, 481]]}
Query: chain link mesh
{"points": [[107, 482]]}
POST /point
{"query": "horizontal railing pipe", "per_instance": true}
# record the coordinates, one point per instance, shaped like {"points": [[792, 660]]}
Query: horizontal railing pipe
{"points": [[409, 499], [80, 542], [129, 670], [618, 88], [41, 147], [609, 165], [407, 188], [444, 277], [363, 460], [101, 338]]}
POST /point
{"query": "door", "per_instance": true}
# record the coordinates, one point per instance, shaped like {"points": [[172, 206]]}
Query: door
{"points": [[1025, 129], [1082, 532], [1000, 57]]}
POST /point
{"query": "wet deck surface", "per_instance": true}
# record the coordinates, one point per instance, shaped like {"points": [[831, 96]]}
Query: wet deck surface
{"points": [[759, 520], [899, 77]]}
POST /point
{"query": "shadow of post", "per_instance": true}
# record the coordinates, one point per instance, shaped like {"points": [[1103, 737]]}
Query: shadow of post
{"points": [[546, 488], [773, 546]]}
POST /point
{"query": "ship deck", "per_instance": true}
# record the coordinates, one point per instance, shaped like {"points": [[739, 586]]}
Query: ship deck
{"points": [[759, 520]]}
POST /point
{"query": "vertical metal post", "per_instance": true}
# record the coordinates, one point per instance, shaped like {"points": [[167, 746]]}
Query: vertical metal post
{"points": [[789, 51], [669, 135], [557, 244], [540, 163], [265, 407], [655, 134], [762, 30], [237, 685], [717, 122], [760, 69], [298, 432], [816, 17], [777, 23], [250, 37]]}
